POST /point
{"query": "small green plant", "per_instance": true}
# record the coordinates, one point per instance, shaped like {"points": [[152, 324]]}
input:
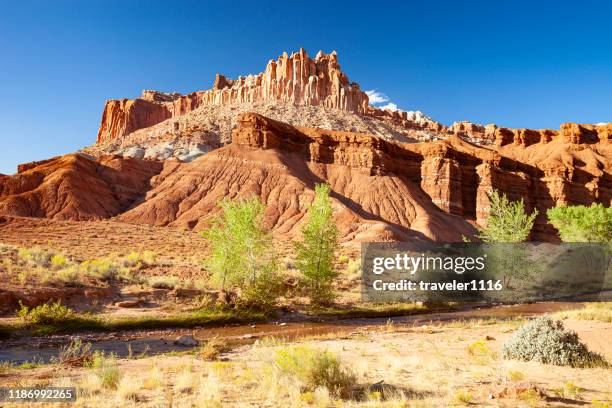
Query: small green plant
{"points": [[480, 351], [315, 255], [131, 260], [531, 397], [58, 261], [569, 390], [70, 276], [107, 370], [314, 368], [148, 258], [55, 317], [103, 269], [342, 259], [354, 267], [546, 341]]}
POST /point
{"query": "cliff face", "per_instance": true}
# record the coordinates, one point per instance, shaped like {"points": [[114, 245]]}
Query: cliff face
{"points": [[382, 190], [296, 79], [542, 168]]}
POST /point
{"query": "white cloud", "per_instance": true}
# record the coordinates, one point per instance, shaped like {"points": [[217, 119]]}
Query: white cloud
{"points": [[390, 106], [376, 97]]}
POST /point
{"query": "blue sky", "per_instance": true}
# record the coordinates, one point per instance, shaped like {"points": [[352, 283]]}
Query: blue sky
{"points": [[518, 64]]}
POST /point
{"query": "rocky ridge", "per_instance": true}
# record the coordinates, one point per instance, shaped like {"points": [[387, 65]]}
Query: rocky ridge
{"points": [[382, 190]]}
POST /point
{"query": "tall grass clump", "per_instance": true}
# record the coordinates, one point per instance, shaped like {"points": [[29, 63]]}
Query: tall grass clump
{"points": [[314, 368], [106, 369]]}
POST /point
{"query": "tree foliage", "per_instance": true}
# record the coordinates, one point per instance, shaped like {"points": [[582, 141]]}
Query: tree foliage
{"points": [[316, 254], [242, 256], [508, 221], [582, 224]]}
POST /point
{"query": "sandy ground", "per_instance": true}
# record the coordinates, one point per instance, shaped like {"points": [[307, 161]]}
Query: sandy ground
{"points": [[431, 366]]}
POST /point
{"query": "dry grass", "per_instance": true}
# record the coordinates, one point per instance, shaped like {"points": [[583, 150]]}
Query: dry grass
{"points": [[394, 367], [595, 311]]}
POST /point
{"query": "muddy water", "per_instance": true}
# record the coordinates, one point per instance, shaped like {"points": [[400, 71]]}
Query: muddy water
{"points": [[151, 343]]}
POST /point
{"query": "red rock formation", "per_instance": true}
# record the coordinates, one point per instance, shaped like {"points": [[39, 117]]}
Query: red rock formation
{"points": [[123, 116], [458, 176], [382, 190], [73, 187], [295, 79]]}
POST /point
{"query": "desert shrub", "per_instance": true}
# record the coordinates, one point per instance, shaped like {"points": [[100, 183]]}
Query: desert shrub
{"points": [[55, 317], [70, 275], [582, 224], [148, 258], [211, 350], [58, 261], [242, 255], [36, 256], [508, 221], [353, 267], [164, 282], [546, 341], [131, 260], [315, 255], [480, 351], [106, 369], [103, 269], [49, 313], [314, 368]]}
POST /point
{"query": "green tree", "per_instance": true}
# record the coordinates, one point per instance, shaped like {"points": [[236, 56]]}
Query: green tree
{"points": [[508, 221], [316, 254], [578, 223], [242, 256], [507, 225]]}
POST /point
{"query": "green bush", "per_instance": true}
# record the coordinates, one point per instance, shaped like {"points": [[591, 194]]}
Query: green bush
{"points": [[59, 261], [70, 276], [36, 256], [49, 313], [546, 341], [103, 269], [314, 368]]}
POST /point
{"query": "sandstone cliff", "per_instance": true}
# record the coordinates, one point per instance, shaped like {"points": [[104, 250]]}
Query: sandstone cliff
{"points": [[382, 190], [295, 79], [405, 186]]}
